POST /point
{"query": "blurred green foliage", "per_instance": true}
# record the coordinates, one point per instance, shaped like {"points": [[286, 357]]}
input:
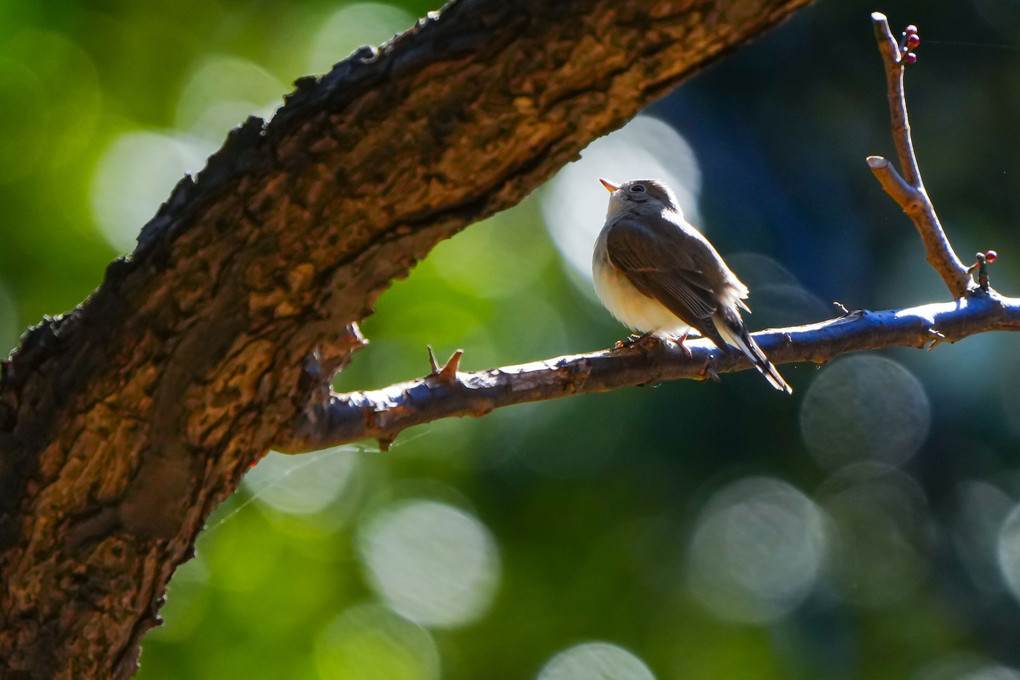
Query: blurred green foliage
{"points": [[674, 531]]}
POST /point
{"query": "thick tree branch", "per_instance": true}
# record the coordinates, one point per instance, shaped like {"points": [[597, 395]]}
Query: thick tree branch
{"points": [[123, 424], [908, 190], [384, 413]]}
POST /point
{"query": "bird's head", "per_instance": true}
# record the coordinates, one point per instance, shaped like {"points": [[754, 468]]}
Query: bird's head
{"points": [[650, 195]]}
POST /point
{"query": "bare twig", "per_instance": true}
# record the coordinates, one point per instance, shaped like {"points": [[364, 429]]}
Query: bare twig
{"points": [[908, 190], [386, 412]]}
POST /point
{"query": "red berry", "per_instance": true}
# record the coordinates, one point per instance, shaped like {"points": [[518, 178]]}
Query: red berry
{"points": [[910, 30], [910, 57], [991, 256], [913, 41]]}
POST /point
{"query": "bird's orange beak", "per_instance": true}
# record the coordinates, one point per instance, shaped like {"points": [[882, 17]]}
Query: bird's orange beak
{"points": [[608, 185]]}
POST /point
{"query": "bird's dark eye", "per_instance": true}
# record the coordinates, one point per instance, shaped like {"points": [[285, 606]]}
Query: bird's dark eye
{"points": [[638, 188]]}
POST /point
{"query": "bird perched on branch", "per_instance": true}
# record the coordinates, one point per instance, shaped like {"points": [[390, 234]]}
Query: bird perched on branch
{"points": [[658, 275]]}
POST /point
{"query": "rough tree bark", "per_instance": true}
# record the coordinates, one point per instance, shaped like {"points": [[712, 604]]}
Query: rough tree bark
{"points": [[124, 423]]}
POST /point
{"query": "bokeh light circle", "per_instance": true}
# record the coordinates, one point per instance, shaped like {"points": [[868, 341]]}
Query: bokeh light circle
{"points": [[302, 485], [757, 550], [9, 322], [134, 176], [777, 298], [992, 672], [962, 665], [496, 258], [221, 92], [370, 642], [354, 25], [595, 661], [864, 408], [882, 536], [1009, 551], [981, 511], [431, 562]]}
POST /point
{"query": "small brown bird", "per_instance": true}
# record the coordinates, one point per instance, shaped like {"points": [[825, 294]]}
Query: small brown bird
{"points": [[658, 275]]}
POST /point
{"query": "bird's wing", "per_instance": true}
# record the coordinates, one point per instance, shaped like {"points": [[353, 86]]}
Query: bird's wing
{"points": [[661, 266]]}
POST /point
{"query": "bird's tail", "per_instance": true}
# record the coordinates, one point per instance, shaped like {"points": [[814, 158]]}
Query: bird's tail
{"points": [[736, 334]]}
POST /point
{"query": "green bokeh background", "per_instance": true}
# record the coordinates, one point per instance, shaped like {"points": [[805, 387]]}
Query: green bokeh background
{"points": [[594, 515]]}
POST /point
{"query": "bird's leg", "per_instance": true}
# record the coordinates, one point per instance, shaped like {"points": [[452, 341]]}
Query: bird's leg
{"points": [[680, 341]]}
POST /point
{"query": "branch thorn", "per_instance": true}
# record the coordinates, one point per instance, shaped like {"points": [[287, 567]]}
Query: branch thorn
{"points": [[936, 339], [448, 372], [710, 373]]}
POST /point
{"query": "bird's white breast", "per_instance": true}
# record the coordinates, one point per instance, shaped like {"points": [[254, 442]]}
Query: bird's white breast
{"points": [[628, 304]]}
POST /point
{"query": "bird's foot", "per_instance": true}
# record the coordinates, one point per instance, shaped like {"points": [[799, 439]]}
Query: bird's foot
{"points": [[646, 342]]}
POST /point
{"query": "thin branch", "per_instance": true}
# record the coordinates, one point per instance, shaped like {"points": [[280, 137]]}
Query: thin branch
{"points": [[384, 413], [908, 190], [895, 63]]}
